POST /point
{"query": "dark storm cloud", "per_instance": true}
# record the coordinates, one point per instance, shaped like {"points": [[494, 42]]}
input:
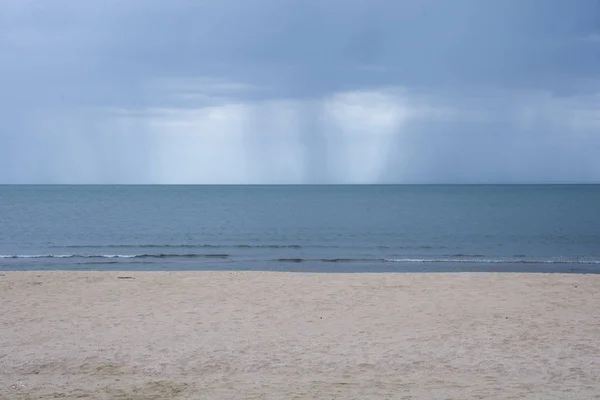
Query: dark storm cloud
{"points": [[102, 91]]}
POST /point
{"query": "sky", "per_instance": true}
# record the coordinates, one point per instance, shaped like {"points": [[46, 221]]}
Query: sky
{"points": [[299, 91]]}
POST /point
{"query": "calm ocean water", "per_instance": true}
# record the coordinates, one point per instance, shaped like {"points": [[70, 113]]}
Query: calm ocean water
{"points": [[551, 228]]}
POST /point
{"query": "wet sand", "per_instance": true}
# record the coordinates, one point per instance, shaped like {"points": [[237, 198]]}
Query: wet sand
{"points": [[259, 335]]}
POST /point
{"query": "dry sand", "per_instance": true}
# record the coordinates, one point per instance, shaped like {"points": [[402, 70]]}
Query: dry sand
{"points": [[255, 335]]}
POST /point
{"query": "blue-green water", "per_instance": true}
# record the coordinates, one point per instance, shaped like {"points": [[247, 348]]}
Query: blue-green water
{"points": [[551, 228]]}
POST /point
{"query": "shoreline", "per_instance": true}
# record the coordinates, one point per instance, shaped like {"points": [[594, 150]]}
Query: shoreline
{"points": [[258, 334], [515, 269]]}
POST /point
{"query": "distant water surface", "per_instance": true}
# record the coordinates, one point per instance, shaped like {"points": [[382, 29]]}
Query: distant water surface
{"points": [[371, 228]]}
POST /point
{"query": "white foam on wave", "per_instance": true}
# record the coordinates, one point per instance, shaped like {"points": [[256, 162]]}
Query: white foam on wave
{"points": [[68, 255], [36, 256], [488, 261]]}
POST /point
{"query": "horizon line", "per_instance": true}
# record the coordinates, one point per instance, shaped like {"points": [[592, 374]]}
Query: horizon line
{"points": [[312, 184]]}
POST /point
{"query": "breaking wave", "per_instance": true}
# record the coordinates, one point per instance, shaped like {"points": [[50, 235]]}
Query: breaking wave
{"points": [[488, 261], [117, 256]]}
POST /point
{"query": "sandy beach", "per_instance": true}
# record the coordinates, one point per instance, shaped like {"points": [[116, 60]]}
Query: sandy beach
{"points": [[258, 335]]}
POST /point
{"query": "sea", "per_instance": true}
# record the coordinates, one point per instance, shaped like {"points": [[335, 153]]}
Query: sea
{"points": [[320, 228]]}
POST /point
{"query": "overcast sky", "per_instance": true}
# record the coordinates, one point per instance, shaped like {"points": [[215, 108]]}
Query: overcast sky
{"points": [[299, 91]]}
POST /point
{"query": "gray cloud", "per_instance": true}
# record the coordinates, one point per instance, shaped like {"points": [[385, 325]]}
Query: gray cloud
{"points": [[299, 91]]}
